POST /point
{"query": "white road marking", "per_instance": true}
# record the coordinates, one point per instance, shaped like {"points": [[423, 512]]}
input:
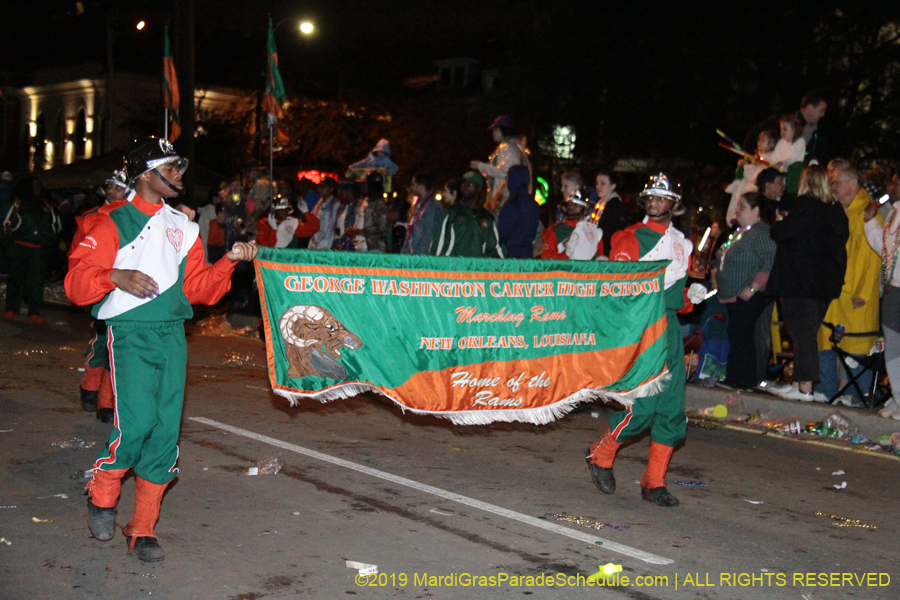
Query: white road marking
{"points": [[491, 508]]}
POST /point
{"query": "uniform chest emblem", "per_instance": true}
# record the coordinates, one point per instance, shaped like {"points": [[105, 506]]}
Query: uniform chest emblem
{"points": [[679, 250], [176, 237]]}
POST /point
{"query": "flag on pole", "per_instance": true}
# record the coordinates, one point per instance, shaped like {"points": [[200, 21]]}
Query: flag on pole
{"points": [[274, 97], [170, 94]]}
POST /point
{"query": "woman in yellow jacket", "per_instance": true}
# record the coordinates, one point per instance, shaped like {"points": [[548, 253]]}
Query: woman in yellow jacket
{"points": [[857, 307]]}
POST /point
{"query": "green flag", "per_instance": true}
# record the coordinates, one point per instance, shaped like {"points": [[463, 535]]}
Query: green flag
{"points": [[275, 95]]}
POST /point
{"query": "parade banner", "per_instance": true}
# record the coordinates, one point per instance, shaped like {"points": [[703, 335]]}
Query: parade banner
{"points": [[471, 340]]}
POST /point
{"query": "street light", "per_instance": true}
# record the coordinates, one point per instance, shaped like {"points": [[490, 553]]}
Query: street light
{"points": [[306, 28], [140, 25]]}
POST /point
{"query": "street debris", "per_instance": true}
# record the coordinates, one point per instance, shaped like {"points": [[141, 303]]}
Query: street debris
{"points": [[845, 521], [63, 496], [440, 512], [237, 359], [218, 325], [270, 466], [76, 443], [605, 571], [842, 486], [3, 540], [687, 483], [835, 426], [838, 473], [584, 522], [363, 568], [754, 501], [36, 520]]}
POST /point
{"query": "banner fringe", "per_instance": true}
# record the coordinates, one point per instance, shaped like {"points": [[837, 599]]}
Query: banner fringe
{"points": [[537, 416]]}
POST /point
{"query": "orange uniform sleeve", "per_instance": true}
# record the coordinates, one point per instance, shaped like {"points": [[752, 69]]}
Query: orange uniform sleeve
{"points": [[307, 227], [91, 262], [688, 305], [76, 239], [216, 234], [624, 246], [265, 235], [550, 248], [205, 283]]}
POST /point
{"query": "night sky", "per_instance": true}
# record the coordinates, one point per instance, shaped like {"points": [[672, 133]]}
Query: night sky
{"points": [[633, 78]]}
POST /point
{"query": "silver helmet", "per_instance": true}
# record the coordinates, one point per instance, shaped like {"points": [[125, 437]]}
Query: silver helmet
{"points": [[659, 185], [576, 198], [118, 178], [282, 203], [148, 154]]}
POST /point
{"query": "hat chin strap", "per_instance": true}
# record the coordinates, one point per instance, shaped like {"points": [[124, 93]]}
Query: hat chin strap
{"points": [[166, 181]]}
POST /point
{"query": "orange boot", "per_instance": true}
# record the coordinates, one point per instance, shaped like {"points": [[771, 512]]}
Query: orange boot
{"points": [[653, 483], [106, 401], [141, 539], [103, 490], [600, 461]]}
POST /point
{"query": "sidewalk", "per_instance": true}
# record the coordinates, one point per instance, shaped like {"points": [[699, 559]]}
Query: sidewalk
{"points": [[772, 407]]}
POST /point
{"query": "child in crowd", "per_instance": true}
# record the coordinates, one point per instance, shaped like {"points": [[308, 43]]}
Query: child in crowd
{"points": [[790, 151], [791, 148], [745, 178]]}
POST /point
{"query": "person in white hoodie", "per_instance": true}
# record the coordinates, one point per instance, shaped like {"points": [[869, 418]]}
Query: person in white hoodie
{"points": [[886, 242]]}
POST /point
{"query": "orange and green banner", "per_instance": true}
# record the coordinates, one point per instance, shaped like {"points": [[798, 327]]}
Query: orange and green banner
{"points": [[472, 340]]}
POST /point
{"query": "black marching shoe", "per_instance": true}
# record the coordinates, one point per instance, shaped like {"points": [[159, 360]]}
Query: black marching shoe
{"points": [[602, 477], [102, 522], [106, 415], [660, 496], [147, 549], [89, 400]]}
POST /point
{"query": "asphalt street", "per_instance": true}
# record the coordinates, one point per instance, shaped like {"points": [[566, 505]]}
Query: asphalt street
{"points": [[442, 511]]}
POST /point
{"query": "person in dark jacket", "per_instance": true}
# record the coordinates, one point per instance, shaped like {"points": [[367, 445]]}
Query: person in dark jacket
{"points": [[610, 213], [808, 273], [30, 226], [519, 217]]}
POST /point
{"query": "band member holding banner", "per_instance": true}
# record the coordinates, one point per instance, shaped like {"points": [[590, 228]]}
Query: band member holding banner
{"points": [[574, 237], [96, 386], [143, 265], [663, 413]]}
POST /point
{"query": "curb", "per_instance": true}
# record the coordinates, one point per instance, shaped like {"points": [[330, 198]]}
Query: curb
{"points": [[769, 406]]}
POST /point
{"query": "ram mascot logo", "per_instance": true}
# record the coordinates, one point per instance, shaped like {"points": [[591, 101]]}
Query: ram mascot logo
{"points": [[306, 329]]}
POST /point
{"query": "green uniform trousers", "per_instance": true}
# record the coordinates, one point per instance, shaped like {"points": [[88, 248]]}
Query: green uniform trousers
{"points": [[97, 354], [662, 413], [147, 364]]}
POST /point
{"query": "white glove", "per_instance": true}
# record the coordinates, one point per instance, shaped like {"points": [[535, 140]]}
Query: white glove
{"points": [[302, 206], [273, 224], [697, 293]]}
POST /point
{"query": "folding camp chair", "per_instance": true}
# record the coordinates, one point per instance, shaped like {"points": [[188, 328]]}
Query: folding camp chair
{"points": [[873, 363]]}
